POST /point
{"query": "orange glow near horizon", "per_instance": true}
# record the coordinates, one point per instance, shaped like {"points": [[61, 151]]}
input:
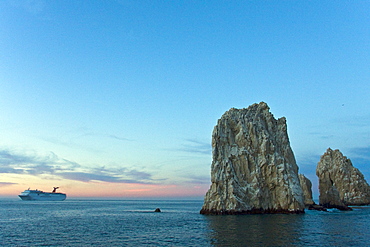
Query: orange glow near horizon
{"points": [[103, 189]]}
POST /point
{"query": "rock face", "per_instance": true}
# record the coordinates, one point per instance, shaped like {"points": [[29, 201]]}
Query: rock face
{"points": [[340, 184], [253, 167], [307, 190]]}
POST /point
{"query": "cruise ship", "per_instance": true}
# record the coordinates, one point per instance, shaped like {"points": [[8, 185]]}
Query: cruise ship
{"points": [[38, 195]]}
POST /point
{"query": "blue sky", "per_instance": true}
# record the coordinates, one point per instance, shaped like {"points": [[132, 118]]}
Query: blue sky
{"points": [[125, 94]]}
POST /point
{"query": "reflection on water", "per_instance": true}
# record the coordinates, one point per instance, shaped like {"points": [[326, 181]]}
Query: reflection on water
{"points": [[314, 228], [255, 230]]}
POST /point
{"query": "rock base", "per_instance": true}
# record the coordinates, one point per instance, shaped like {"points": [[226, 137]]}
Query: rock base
{"points": [[317, 207], [253, 211], [340, 207]]}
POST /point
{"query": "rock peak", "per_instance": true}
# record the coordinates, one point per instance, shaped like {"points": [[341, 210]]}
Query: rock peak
{"points": [[256, 108]]}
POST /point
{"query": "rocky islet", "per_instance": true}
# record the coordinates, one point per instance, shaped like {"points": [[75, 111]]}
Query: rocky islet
{"points": [[254, 170], [340, 183], [253, 167]]}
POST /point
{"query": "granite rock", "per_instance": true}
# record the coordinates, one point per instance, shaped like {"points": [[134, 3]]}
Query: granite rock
{"points": [[253, 166], [340, 184], [307, 190]]}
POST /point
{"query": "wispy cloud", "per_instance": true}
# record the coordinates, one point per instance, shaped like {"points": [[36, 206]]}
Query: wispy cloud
{"points": [[321, 135], [361, 152], [89, 177], [11, 162], [356, 121], [195, 146], [73, 139], [360, 157], [71, 143], [198, 179], [307, 163], [3, 184], [118, 138]]}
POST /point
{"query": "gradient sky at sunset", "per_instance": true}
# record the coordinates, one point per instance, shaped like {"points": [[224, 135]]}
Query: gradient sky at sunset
{"points": [[119, 98]]}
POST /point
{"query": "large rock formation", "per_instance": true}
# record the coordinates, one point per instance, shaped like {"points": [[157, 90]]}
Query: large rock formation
{"points": [[253, 168], [307, 190], [340, 184]]}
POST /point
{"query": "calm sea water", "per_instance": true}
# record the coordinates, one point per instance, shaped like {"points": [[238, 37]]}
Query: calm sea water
{"points": [[134, 223]]}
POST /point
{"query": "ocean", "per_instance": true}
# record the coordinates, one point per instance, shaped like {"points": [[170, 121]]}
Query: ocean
{"points": [[134, 223]]}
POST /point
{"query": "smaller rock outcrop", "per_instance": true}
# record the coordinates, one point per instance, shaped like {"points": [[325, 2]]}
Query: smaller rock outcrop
{"points": [[340, 184], [307, 194], [157, 210], [317, 207], [307, 190]]}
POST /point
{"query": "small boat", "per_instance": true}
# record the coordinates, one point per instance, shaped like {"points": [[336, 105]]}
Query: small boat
{"points": [[38, 195]]}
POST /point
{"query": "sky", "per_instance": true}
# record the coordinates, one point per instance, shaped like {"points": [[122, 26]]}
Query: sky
{"points": [[119, 98]]}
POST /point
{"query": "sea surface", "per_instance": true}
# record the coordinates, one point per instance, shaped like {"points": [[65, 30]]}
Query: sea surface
{"points": [[134, 223]]}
